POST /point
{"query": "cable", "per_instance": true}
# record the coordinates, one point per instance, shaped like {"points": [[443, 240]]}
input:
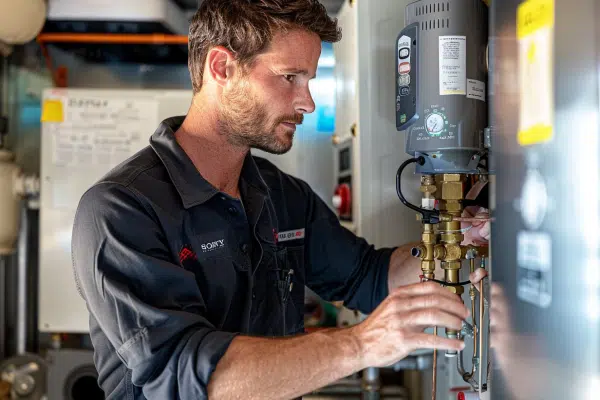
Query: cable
{"points": [[429, 216], [446, 283]]}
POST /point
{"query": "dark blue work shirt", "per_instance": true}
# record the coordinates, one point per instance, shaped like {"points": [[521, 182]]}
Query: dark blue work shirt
{"points": [[172, 269]]}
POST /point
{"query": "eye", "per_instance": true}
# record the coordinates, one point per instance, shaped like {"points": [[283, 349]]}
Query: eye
{"points": [[289, 78]]}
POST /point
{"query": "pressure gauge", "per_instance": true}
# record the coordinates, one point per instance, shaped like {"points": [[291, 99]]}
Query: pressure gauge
{"points": [[435, 124]]}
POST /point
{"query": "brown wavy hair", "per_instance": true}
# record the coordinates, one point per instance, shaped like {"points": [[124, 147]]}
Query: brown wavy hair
{"points": [[246, 28]]}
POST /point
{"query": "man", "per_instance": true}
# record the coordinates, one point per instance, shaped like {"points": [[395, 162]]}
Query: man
{"points": [[192, 255]]}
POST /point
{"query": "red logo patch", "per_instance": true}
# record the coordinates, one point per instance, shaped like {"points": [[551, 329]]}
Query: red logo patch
{"points": [[186, 253]]}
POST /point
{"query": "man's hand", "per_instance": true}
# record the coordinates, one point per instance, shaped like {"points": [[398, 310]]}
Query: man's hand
{"points": [[478, 231], [395, 328], [405, 269]]}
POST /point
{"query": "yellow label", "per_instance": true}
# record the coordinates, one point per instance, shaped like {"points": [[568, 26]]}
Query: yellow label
{"points": [[534, 15], [52, 111], [535, 32], [535, 134]]}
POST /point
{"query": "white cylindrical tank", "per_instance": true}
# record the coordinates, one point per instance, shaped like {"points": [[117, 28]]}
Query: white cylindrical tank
{"points": [[9, 203], [22, 20]]}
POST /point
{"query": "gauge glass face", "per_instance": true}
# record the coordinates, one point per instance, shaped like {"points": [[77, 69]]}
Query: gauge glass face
{"points": [[435, 124]]}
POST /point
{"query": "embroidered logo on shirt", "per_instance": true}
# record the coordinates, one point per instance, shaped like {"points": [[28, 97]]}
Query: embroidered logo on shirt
{"points": [[290, 235], [186, 253], [212, 246]]}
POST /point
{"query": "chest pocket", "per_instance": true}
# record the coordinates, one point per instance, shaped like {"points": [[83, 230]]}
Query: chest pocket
{"points": [[215, 267], [287, 277]]}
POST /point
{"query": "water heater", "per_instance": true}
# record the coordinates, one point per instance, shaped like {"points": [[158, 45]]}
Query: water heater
{"points": [[441, 75]]}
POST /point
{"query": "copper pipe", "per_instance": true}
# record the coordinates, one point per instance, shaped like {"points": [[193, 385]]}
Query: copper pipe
{"points": [[434, 387], [475, 326], [481, 312], [472, 219], [112, 38]]}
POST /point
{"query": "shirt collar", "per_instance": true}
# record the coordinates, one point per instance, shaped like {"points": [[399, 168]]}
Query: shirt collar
{"points": [[191, 186]]}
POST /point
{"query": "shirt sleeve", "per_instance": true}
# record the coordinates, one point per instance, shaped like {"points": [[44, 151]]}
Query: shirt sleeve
{"points": [[342, 266], [150, 309]]}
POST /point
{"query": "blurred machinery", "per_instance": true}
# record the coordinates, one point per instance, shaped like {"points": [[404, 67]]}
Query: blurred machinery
{"points": [[546, 113], [440, 81], [105, 30]]}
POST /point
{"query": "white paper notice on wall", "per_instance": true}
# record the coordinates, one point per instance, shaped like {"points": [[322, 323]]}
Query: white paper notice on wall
{"points": [[453, 65], [102, 131], [476, 90]]}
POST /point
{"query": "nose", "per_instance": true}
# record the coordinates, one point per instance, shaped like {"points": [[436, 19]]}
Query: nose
{"points": [[305, 103]]}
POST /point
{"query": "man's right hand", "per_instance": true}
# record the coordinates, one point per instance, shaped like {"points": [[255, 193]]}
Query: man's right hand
{"points": [[396, 327]]}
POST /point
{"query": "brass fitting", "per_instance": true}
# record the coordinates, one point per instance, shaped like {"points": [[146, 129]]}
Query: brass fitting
{"points": [[453, 252], [451, 270], [428, 240], [451, 186], [428, 187]]}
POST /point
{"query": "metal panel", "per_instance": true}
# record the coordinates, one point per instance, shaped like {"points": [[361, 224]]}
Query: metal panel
{"points": [[549, 347]]}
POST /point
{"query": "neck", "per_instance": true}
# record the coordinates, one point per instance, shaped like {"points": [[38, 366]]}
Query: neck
{"points": [[201, 137]]}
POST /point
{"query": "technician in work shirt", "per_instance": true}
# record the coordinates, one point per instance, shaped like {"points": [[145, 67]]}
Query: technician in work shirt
{"points": [[172, 269]]}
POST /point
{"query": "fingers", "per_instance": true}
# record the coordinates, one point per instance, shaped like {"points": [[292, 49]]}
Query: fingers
{"points": [[434, 302], [478, 275], [426, 288], [485, 230], [428, 341], [422, 319]]}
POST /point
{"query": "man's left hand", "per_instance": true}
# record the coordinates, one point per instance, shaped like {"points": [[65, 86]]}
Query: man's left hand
{"points": [[405, 269]]}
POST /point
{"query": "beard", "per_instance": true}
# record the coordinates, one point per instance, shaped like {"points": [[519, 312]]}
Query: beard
{"points": [[246, 121]]}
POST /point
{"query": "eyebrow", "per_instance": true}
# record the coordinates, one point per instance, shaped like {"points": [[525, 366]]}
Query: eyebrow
{"points": [[298, 71]]}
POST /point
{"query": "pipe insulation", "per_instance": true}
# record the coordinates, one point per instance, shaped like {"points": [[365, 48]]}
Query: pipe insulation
{"points": [[22, 20]]}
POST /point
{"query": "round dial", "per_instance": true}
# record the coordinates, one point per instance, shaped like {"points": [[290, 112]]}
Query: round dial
{"points": [[435, 124]]}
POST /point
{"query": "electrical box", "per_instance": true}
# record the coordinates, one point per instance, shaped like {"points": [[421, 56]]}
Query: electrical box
{"points": [[85, 133]]}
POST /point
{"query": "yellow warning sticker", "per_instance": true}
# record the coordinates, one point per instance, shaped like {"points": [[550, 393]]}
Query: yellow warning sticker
{"points": [[535, 32], [52, 111]]}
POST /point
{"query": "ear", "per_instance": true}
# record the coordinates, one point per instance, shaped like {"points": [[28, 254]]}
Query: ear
{"points": [[220, 64]]}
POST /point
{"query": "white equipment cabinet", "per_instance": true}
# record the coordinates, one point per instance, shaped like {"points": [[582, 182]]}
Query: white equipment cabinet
{"points": [[366, 127], [84, 134]]}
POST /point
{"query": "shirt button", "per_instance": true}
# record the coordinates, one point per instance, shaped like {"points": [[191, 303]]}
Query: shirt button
{"points": [[245, 248], [232, 210], [253, 295]]}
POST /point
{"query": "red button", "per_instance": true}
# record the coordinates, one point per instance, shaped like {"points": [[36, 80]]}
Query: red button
{"points": [[461, 396]]}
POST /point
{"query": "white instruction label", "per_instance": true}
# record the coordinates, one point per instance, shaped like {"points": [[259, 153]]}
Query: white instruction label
{"points": [[476, 90], [101, 131], [534, 272], [453, 65]]}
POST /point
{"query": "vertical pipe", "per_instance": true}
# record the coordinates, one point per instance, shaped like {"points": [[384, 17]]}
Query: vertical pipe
{"points": [[434, 380], [3, 296], [22, 280], [371, 384]]}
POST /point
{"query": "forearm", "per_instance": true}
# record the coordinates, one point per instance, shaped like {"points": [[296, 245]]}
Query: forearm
{"points": [[259, 368]]}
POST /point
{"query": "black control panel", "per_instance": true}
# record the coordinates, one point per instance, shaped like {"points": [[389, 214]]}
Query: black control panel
{"points": [[407, 77]]}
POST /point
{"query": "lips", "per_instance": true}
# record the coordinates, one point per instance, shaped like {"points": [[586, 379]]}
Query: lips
{"points": [[289, 125]]}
